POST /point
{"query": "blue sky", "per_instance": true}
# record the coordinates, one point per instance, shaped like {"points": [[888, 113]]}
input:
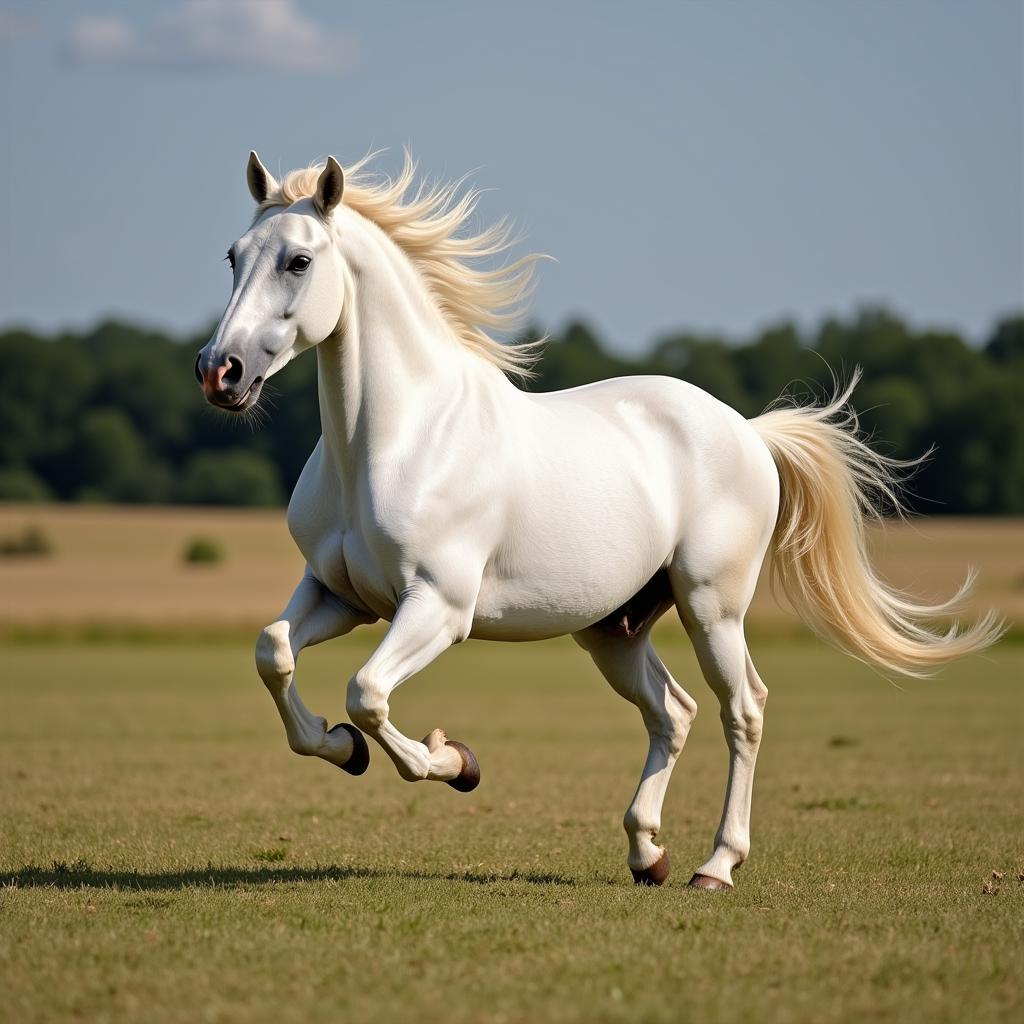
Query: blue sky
{"points": [[716, 166]]}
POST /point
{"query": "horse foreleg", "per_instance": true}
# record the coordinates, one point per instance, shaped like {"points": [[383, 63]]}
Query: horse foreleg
{"points": [[313, 615], [635, 671], [424, 625]]}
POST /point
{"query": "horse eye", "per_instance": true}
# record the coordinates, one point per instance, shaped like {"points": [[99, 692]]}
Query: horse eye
{"points": [[299, 264], [231, 258]]}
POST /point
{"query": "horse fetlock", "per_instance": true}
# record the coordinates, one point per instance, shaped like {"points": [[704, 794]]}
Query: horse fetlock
{"points": [[417, 772], [309, 738], [641, 826], [732, 846], [434, 741]]}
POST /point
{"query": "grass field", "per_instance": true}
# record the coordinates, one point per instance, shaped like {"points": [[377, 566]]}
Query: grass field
{"points": [[165, 857]]}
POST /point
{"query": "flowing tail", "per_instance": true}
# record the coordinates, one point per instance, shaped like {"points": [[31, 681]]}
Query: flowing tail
{"points": [[833, 484]]}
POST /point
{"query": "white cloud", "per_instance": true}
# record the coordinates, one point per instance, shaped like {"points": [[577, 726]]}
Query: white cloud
{"points": [[267, 34]]}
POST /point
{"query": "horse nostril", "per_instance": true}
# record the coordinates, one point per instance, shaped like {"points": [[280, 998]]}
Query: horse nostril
{"points": [[233, 374], [199, 374]]}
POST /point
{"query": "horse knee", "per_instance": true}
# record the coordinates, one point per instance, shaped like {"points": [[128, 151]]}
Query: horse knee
{"points": [[274, 659], [366, 703]]}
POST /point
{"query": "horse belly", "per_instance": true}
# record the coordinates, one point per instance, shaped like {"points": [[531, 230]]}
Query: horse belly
{"points": [[563, 580], [538, 610]]}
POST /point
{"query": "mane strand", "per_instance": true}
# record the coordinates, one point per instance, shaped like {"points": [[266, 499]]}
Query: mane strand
{"points": [[427, 224]]}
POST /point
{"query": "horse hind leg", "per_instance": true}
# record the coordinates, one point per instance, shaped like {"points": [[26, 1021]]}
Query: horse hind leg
{"points": [[727, 666], [715, 627], [630, 664]]}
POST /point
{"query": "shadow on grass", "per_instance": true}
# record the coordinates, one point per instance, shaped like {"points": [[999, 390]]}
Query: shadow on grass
{"points": [[81, 875]]}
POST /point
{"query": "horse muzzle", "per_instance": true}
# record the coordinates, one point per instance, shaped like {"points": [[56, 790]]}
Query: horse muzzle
{"points": [[224, 383]]}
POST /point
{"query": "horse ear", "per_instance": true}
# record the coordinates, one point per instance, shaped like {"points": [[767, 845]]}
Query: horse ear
{"points": [[329, 187], [261, 181]]}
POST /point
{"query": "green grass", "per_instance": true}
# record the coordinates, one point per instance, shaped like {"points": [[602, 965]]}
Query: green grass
{"points": [[166, 858]]}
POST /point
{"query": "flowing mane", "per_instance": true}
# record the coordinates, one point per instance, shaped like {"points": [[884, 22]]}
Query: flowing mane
{"points": [[426, 225]]}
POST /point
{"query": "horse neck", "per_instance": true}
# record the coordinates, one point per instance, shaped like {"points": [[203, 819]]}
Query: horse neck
{"points": [[393, 351]]}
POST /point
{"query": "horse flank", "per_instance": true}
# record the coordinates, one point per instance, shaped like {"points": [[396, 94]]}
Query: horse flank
{"points": [[427, 223]]}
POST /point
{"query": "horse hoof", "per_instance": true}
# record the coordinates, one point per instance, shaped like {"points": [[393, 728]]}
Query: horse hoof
{"points": [[469, 778], [709, 883], [655, 874], [359, 760]]}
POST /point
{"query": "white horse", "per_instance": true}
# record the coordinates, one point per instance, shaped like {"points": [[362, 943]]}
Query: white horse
{"points": [[451, 503]]}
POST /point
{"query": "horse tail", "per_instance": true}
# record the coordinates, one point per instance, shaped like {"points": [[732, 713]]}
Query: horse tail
{"points": [[832, 485]]}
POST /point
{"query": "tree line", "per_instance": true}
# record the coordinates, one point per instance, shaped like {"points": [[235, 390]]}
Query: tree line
{"points": [[114, 413]]}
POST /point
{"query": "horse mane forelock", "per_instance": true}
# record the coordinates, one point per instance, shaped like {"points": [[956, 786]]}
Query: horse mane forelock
{"points": [[427, 222]]}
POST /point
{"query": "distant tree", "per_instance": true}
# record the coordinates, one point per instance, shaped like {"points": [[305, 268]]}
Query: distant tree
{"points": [[895, 415], [114, 413], [43, 388], [1006, 346], [20, 484], [778, 362], [148, 378], [978, 465], [112, 462], [231, 477]]}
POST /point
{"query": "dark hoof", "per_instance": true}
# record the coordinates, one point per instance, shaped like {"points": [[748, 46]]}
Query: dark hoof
{"points": [[709, 883], [656, 874], [469, 778], [360, 759]]}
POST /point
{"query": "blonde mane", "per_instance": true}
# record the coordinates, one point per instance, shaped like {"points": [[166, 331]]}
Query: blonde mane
{"points": [[426, 226]]}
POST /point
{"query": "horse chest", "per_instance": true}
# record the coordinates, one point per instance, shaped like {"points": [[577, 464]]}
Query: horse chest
{"points": [[340, 540], [344, 564]]}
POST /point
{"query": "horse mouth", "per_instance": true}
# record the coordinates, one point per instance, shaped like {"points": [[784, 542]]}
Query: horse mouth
{"points": [[247, 401]]}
